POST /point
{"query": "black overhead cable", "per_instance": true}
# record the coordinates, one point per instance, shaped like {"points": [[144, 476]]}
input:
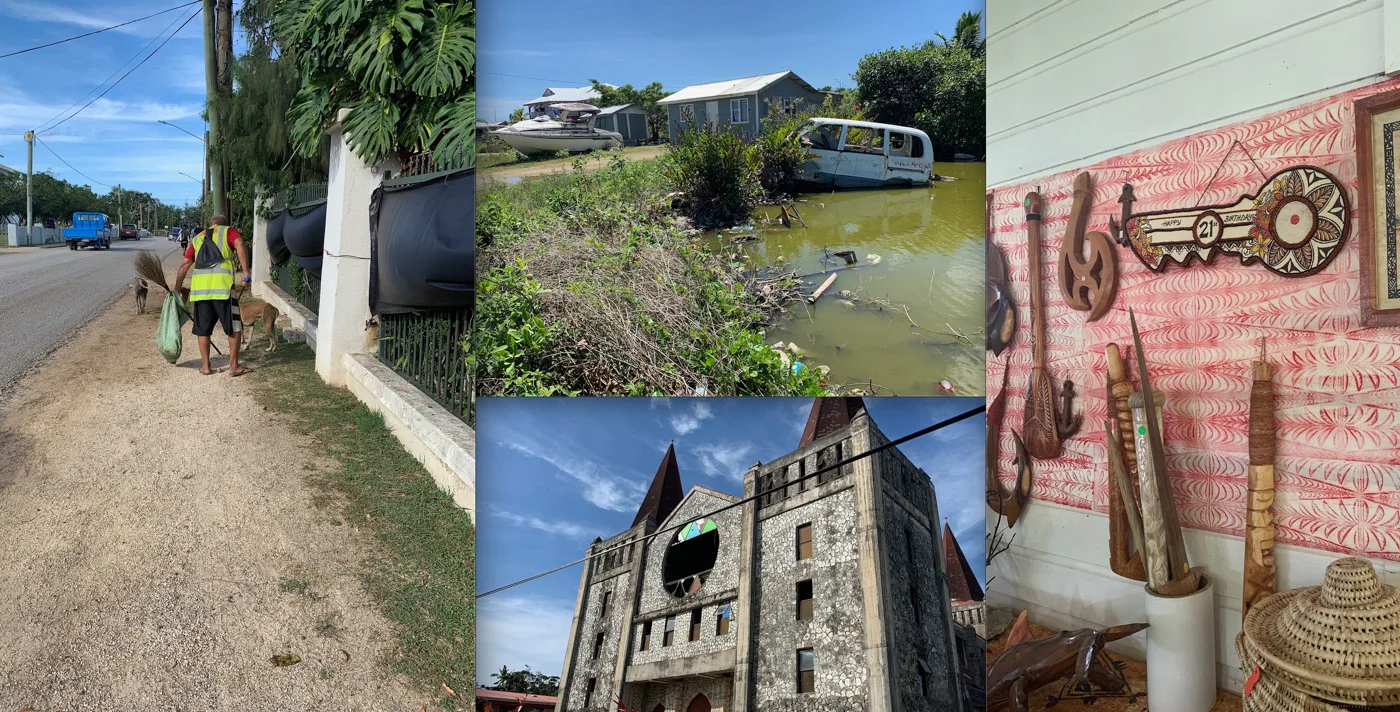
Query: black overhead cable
{"points": [[630, 542], [66, 163], [114, 73], [97, 32], [124, 76]]}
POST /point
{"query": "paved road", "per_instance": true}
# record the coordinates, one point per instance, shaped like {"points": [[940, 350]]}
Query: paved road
{"points": [[45, 295]]}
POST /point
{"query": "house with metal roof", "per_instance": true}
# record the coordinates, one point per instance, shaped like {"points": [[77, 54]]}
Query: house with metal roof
{"points": [[559, 95], [738, 104]]}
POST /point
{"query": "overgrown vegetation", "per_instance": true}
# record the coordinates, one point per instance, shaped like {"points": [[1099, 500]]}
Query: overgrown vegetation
{"points": [[716, 172], [589, 284], [422, 567]]}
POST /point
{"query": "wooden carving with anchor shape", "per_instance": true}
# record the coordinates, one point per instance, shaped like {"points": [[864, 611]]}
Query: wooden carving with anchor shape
{"points": [[1295, 225], [1043, 426], [1087, 283]]}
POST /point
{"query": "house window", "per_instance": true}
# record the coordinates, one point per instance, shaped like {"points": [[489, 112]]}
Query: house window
{"points": [[804, 600], [597, 646], [695, 625], [726, 612], [787, 105], [804, 541], [607, 603], [588, 692], [669, 635], [739, 111], [646, 635], [925, 673], [806, 671]]}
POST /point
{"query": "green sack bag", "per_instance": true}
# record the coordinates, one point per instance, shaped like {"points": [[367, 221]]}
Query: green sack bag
{"points": [[173, 315]]}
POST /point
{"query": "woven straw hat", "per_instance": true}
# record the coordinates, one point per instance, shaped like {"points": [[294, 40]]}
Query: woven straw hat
{"points": [[1339, 641]]}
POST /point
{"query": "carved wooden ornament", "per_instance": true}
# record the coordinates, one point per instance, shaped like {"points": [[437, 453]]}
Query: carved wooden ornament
{"points": [[1087, 283], [1294, 226]]}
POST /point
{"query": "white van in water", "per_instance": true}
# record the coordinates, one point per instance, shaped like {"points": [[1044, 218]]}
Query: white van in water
{"points": [[864, 154]]}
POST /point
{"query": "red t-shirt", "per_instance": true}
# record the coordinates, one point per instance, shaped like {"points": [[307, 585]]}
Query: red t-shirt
{"points": [[233, 238]]}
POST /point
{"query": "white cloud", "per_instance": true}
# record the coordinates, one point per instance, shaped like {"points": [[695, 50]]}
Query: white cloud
{"points": [[520, 631], [725, 460], [53, 13], [604, 491], [685, 423], [560, 528]]}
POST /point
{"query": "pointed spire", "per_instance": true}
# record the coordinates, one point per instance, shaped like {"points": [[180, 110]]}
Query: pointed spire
{"points": [[962, 583], [665, 493], [829, 415]]}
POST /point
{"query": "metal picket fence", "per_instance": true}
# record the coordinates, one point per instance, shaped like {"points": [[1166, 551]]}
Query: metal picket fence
{"points": [[429, 350], [301, 285]]}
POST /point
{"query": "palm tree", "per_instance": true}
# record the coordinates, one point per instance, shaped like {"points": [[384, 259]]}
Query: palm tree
{"points": [[967, 34]]}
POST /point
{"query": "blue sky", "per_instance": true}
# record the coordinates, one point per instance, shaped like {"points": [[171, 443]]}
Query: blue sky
{"points": [[553, 473], [117, 139], [678, 44]]}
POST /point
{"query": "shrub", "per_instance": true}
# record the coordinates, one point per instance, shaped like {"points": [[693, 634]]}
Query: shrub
{"points": [[780, 155], [716, 173]]}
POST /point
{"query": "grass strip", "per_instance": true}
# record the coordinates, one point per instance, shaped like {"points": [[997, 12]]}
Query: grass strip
{"points": [[422, 572]]}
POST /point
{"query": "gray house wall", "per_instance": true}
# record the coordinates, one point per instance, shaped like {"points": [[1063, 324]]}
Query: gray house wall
{"points": [[787, 87], [630, 122]]}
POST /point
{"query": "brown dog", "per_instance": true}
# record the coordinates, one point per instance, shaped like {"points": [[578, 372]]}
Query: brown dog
{"points": [[249, 314], [141, 290]]}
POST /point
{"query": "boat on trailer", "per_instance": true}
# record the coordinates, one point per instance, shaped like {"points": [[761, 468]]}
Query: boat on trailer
{"points": [[566, 127], [863, 154]]}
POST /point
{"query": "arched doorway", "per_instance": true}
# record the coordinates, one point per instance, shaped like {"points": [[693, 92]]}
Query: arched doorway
{"points": [[701, 703]]}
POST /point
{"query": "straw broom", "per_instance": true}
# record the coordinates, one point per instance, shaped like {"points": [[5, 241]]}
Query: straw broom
{"points": [[148, 267]]}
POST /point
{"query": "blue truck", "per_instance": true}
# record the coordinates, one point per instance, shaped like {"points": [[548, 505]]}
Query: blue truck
{"points": [[89, 230]]}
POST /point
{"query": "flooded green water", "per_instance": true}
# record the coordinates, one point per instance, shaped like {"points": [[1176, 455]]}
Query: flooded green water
{"points": [[929, 241]]}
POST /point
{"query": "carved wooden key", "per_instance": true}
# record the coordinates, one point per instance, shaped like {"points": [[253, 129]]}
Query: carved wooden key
{"points": [[1087, 283], [1295, 225]]}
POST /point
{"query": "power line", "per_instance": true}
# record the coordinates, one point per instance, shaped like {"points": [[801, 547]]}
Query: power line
{"points": [[893, 443], [109, 76], [128, 73], [97, 32], [66, 163]]}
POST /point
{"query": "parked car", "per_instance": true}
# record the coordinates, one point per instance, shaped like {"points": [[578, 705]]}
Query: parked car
{"points": [[129, 232], [175, 233], [145, 233]]}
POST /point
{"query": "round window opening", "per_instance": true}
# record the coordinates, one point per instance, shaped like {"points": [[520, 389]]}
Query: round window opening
{"points": [[690, 557]]}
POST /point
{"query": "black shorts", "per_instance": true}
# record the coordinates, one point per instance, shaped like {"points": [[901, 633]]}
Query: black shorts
{"points": [[223, 311]]}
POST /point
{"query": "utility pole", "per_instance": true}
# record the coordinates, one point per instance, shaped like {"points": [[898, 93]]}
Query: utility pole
{"points": [[211, 83], [29, 191], [119, 206]]}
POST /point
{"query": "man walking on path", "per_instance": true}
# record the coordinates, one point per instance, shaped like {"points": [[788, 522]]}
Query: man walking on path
{"points": [[211, 288]]}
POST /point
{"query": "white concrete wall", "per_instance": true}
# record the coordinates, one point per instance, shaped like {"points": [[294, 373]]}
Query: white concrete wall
{"points": [[1075, 81], [344, 307]]}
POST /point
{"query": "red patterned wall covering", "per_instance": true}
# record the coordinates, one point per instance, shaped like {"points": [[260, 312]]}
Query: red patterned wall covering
{"points": [[1337, 384]]}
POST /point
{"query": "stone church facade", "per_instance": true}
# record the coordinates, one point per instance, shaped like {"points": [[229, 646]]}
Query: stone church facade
{"points": [[825, 595]]}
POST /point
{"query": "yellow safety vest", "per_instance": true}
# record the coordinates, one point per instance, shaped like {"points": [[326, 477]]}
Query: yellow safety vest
{"points": [[215, 282]]}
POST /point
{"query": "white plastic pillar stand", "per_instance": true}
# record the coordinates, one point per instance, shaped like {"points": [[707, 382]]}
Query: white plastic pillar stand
{"points": [[1181, 651]]}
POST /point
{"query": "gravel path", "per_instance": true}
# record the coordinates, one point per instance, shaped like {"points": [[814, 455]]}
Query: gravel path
{"points": [[161, 544], [47, 294]]}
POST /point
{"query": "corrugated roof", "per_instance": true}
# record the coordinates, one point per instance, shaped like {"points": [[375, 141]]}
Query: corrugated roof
{"points": [[730, 87], [559, 95], [6, 169], [614, 109], [534, 701]]}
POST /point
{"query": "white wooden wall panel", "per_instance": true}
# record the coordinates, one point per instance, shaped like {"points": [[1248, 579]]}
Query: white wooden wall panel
{"points": [[1058, 569], [1072, 81]]}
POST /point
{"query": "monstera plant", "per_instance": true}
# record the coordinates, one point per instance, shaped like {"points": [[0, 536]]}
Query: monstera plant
{"points": [[404, 70]]}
